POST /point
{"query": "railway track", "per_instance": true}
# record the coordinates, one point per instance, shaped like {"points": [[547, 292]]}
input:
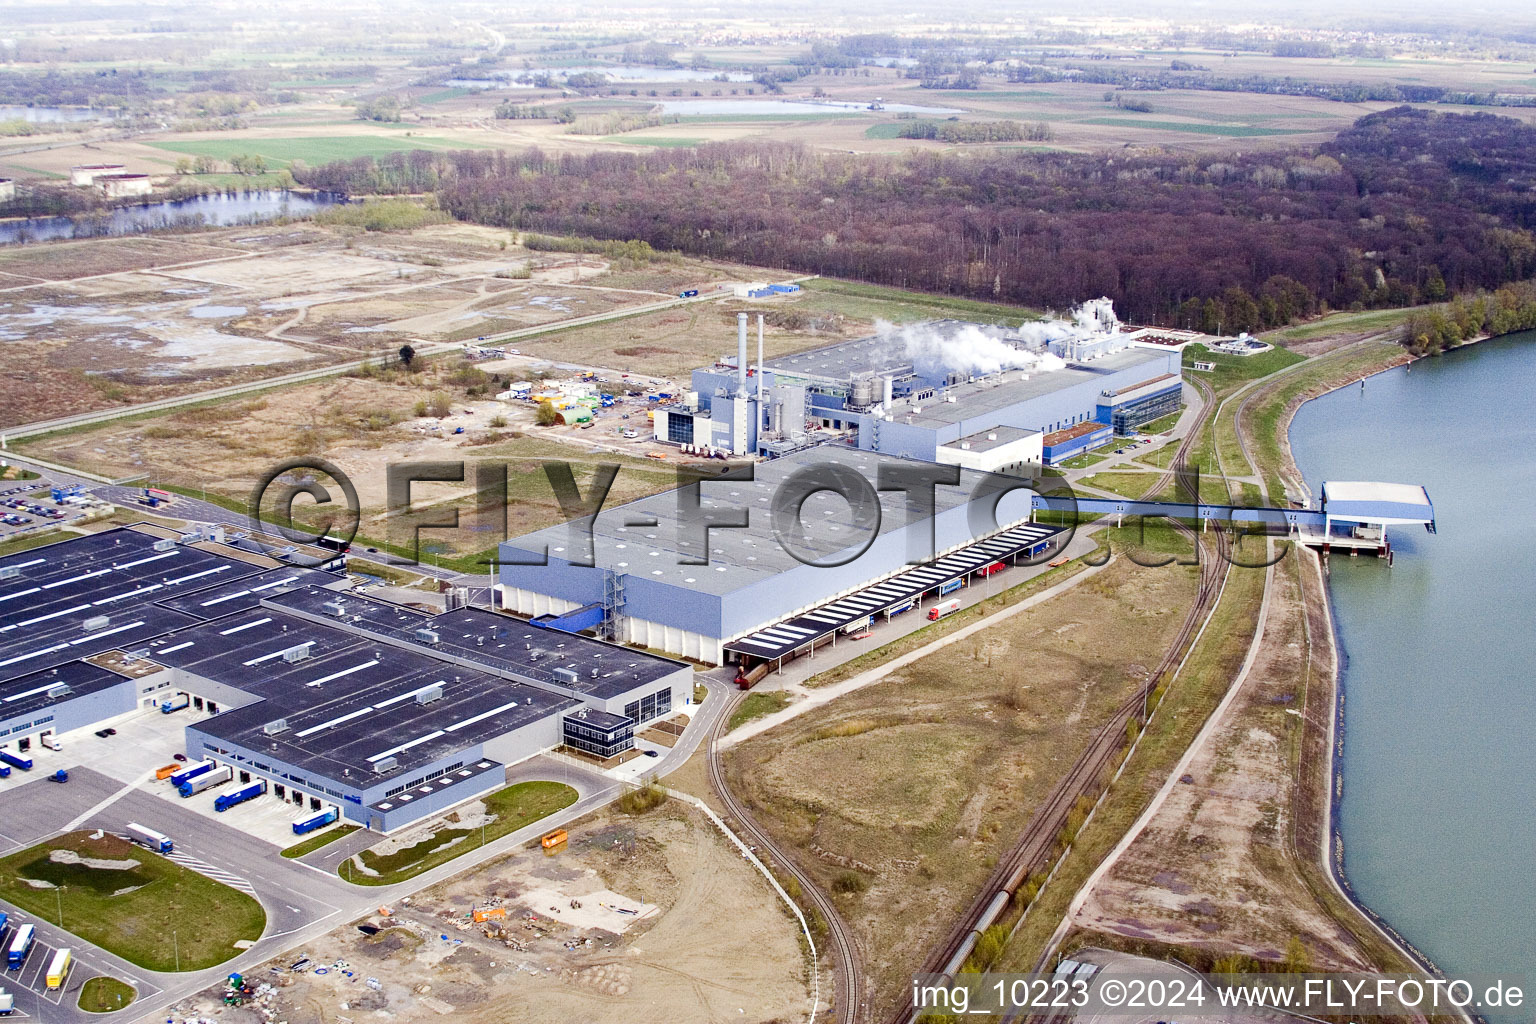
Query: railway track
{"points": [[1033, 851], [848, 985]]}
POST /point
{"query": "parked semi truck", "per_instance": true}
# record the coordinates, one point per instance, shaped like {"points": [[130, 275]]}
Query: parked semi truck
{"points": [[314, 821], [240, 796], [16, 760], [944, 608], [58, 969], [191, 772], [207, 780], [7, 1003], [175, 704], [157, 841], [20, 946]]}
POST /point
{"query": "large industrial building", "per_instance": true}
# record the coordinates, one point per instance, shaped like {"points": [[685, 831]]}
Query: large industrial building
{"points": [[650, 580], [989, 401], [916, 390], [332, 697]]}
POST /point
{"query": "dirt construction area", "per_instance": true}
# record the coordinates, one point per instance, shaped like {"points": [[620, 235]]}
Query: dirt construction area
{"points": [[648, 920], [899, 798], [90, 323], [1216, 867]]}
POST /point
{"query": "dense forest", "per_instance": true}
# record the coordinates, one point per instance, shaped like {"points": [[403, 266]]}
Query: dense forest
{"points": [[1406, 206]]}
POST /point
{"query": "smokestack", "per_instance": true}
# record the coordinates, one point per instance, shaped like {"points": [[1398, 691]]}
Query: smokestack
{"points": [[759, 367], [741, 353]]}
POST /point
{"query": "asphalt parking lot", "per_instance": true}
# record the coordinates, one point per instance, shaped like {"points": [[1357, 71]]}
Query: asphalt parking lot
{"points": [[147, 740], [29, 984]]}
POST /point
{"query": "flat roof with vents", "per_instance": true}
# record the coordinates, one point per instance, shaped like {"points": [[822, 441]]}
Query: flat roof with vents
{"points": [[493, 643], [740, 558], [353, 703], [24, 695]]}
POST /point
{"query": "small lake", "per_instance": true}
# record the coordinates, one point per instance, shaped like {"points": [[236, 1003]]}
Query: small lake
{"points": [[44, 115], [767, 108], [211, 211]]}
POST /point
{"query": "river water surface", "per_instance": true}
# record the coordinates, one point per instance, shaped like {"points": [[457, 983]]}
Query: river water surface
{"points": [[1438, 812], [214, 210]]}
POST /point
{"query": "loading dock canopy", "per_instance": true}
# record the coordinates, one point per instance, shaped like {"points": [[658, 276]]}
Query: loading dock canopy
{"points": [[792, 634], [1363, 501]]}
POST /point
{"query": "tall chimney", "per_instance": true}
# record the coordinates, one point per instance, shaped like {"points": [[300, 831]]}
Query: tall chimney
{"points": [[741, 353], [759, 367]]}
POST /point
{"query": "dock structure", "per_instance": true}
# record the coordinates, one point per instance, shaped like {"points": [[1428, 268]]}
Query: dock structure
{"points": [[1354, 515]]}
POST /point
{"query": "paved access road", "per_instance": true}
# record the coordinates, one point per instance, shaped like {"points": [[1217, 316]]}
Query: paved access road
{"points": [[303, 898]]}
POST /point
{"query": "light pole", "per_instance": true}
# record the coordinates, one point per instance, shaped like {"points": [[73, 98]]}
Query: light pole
{"points": [[59, 897]]}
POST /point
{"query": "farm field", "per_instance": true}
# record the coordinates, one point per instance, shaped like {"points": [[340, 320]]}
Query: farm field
{"points": [[899, 797], [320, 149]]}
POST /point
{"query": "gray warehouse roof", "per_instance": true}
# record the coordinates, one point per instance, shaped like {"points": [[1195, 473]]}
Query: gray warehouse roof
{"points": [[642, 538], [494, 643], [992, 394], [26, 694], [986, 440], [877, 353], [345, 704], [98, 593]]}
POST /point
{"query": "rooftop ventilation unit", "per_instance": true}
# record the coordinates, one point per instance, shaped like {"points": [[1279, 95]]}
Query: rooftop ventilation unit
{"points": [[384, 765], [296, 654], [58, 690], [427, 636], [95, 622], [9, 572], [565, 675], [164, 545], [336, 607], [273, 728], [430, 694]]}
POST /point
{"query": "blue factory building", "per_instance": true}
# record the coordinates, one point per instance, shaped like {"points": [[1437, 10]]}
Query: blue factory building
{"points": [[911, 391]]}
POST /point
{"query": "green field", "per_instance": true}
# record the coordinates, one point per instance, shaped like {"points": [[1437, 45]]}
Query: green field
{"points": [[1368, 321], [318, 840], [756, 705], [1230, 369], [514, 807], [313, 151], [1235, 131], [655, 141], [105, 995], [130, 910], [869, 301]]}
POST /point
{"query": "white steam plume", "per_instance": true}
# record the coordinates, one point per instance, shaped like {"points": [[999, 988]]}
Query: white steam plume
{"points": [[972, 351]]}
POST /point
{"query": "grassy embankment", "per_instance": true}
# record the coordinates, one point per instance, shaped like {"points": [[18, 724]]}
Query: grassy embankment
{"points": [[131, 902], [514, 807], [1210, 668], [758, 704], [319, 839]]}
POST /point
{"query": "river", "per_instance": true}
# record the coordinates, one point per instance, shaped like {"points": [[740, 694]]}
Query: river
{"points": [[1438, 813], [217, 210]]}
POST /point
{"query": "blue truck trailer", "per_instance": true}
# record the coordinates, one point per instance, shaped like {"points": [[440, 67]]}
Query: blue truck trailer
{"points": [[190, 772], [207, 780], [16, 760], [240, 796], [306, 825]]}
